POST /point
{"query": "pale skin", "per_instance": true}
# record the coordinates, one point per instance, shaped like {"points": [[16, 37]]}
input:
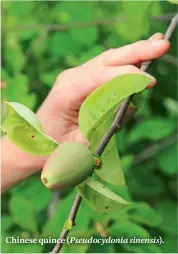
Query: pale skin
{"points": [[59, 112]]}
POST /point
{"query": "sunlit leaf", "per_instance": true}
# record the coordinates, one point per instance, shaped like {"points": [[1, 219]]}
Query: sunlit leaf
{"points": [[25, 130], [96, 115], [173, 1], [106, 98], [100, 198]]}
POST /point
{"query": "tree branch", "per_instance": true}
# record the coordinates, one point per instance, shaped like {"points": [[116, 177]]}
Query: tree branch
{"points": [[105, 140], [54, 201], [170, 59], [79, 25], [154, 149]]}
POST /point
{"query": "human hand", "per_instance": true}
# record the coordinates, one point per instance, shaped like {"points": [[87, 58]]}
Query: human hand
{"points": [[59, 112]]}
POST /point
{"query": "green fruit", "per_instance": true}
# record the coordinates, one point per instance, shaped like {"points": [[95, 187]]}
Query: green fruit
{"points": [[69, 165]]}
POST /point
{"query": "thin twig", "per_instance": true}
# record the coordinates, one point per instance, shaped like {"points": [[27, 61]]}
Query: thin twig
{"points": [[54, 201], [105, 140], [170, 59], [78, 25], [153, 149], [47, 28]]}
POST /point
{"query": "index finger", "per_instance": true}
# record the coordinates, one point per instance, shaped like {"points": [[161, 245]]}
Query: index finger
{"points": [[134, 53]]}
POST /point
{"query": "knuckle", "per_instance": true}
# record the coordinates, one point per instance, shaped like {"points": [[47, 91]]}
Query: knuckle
{"points": [[65, 74], [108, 51], [140, 43], [131, 68]]}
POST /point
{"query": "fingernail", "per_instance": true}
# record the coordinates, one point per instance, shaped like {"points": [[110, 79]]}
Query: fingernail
{"points": [[153, 80], [157, 36], [158, 43]]}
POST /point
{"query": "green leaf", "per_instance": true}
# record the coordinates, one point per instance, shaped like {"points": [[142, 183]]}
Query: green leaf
{"points": [[144, 177], [48, 78], [85, 36], [61, 44], [21, 92], [168, 211], [5, 247], [129, 231], [171, 106], [11, 247], [167, 160], [126, 162], [75, 248], [170, 244], [105, 248], [106, 98], [144, 214], [26, 248], [120, 190], [25, 130], [110, 160], [6, 222], [136, 16], [110, 157], [100, 198], [60, 216], [78, 234], [96, 115], [173, 1], [33, 190], [14, 51], [23, 213], [152, 129], [90, 53]]}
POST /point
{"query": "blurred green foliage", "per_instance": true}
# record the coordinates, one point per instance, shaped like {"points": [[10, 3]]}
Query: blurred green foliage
{"points": [[41, 39]]}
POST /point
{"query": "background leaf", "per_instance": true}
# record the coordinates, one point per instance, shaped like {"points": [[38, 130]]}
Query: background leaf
{"points": [[25, 220], [168, 211], [166, 160], [152, 129]]}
